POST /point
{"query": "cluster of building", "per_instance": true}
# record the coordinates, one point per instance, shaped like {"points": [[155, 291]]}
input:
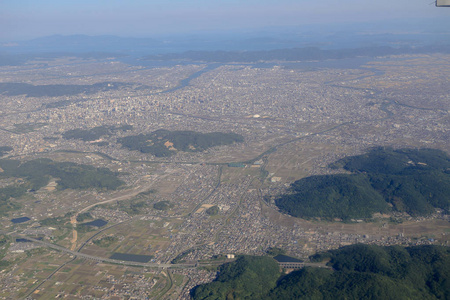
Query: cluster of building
{"points": [[270, 107]]}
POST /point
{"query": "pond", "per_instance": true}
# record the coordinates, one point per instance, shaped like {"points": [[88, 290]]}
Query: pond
{"points": [[22, 241], [20, 220], [96, 223], [132, 257]]}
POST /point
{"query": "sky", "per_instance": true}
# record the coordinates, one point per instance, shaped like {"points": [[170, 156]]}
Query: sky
{"points": [[26, 19]]}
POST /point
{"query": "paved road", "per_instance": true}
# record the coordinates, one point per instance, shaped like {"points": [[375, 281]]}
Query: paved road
{"points": [[96, 258]]}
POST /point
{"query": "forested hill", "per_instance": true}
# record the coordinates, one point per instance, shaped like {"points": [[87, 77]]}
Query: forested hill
{"points": [[358, 272], [37, 173], [405, 180], [95, 133], [249, 277], [4, 150], [163, 143]]}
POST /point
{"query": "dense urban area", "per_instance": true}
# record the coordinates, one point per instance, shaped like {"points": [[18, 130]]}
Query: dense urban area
{"points": [[155, 221]]}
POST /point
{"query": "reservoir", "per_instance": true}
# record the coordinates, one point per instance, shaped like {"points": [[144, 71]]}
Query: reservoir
{"points": [[20, 220], [131, 257], [96, 223], [22, 241]]}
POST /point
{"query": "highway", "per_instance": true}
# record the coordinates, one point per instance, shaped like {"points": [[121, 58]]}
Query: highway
{"points": [[96, 258]]}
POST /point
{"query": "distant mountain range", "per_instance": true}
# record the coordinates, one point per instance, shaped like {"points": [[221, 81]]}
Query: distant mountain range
{"points": [[286, 45], [295, 54], [416, 33]]}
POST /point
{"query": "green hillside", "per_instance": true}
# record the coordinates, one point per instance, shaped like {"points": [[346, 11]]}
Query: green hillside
{"points": [[95, 133], [407, 180], [4, 150], [35, 174], [357, 272], [163, 143], [336, 196], [249, 277]]}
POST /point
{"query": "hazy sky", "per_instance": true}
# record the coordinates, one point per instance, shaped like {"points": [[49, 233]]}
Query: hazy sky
{"points": [[23, 19]]}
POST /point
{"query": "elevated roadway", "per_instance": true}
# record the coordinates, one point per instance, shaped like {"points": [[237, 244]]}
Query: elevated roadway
{"points": [[96, 258]]}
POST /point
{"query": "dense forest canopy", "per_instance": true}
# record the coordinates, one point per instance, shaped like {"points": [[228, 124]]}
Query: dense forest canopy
{"points": [[162, 205], [95, 133], [333, 196], [357, 272], [390, 161], [35, 174], [163, 143], [4, 150], [213, 210], [249, 277], [405, 180]]}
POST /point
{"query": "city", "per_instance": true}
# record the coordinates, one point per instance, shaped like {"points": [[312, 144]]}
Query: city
{"points": [[294, 122]]}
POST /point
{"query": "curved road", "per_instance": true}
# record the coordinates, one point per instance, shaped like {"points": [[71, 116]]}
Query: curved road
{"points": [[96, 258]]}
